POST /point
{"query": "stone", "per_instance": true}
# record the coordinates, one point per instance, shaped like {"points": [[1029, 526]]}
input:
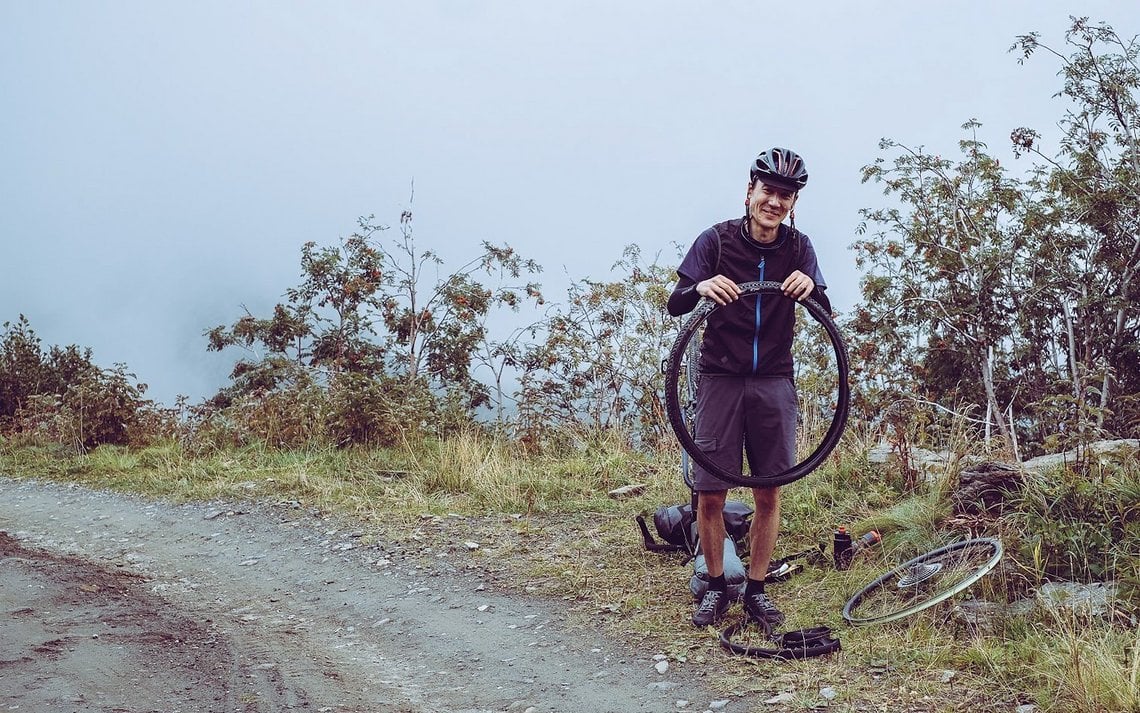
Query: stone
{"points": [[626, 491], [1088, 599], [983, 489]]}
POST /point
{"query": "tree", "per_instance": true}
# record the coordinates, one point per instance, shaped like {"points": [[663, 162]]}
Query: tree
{"points": [[935, 319], [438, 329], [1092, 223], [61, 395], [1022, 295], [599, 365], [389, 342]]}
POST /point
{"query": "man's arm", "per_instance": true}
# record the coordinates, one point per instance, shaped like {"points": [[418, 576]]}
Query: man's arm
{"points": [[718, 288], [683, 299]]}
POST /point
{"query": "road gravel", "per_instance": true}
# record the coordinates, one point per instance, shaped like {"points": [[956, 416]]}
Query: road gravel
{"points": [[111, 602]]}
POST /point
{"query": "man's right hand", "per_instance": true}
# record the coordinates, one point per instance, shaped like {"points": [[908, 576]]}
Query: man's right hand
{"points": [[719, 289]]}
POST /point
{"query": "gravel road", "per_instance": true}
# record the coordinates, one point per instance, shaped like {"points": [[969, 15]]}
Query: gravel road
{"points": [[116, 603]]}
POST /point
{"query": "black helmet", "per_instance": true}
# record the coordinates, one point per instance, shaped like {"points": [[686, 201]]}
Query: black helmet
{"points": [[780, 167]]}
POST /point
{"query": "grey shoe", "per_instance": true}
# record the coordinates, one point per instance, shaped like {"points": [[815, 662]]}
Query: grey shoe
{"points": [[760, 609], [712, 608]]}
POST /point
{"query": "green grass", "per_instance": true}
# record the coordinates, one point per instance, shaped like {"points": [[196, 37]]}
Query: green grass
{"points": [[546, 525]]}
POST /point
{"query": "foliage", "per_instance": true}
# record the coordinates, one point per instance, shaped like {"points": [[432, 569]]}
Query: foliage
{"points": [[382, 344], [598, 366], [1088, 264], [1082, 528], [60, 395], [1014, 297], [937, 303]]}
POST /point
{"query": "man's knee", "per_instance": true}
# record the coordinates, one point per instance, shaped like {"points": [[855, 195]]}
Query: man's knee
{"points": [[766, 501], [710, 504]]}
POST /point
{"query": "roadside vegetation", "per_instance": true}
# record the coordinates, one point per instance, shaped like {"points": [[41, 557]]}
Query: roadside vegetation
{"points": [[999, 321]]}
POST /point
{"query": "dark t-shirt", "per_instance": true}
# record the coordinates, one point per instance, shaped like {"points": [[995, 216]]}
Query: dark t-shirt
{"points": [[753, 335]]}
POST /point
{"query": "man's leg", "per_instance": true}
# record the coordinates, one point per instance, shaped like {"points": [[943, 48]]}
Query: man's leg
{"points": [[771, 449], [710, 529], [762, 541], [763, 530], [719, 434]]}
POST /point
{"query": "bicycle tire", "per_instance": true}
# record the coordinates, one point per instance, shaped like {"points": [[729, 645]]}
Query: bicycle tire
{"points": [[947, 570], [676, 418], [802, 644], [692, 379]]}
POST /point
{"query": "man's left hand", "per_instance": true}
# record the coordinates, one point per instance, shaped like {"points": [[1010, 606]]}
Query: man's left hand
{"points": [[797, 285]]}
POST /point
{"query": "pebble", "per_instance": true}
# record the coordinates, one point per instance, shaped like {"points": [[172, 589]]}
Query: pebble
{"points": [[661, 666], [828, 693], [718, 705]]}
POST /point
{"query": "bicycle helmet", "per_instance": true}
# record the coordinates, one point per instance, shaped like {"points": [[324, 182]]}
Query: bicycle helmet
{"points": [[781, 168]]}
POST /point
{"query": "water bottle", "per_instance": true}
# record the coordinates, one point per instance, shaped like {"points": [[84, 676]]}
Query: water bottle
{"points": [[867, 541], [841, 548]]}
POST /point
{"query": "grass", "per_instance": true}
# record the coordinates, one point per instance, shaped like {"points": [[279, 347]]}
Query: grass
{"points": [[546, 526]]}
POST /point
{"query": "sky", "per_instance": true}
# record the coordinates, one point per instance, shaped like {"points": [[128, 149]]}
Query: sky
{"points": [[163, 162]]}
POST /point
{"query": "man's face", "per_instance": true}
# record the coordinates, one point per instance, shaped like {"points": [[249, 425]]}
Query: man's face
{"points": [[768, 205]]}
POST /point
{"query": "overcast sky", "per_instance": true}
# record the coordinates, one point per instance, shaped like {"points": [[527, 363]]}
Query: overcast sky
{"points": [[164, 162]]}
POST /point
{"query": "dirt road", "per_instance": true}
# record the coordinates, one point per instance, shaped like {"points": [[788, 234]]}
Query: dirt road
{"points": [[116, 603]]}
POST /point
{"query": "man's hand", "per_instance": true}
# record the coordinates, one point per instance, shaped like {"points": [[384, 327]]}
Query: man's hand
{"points": [[797, 286], [720, 289]]}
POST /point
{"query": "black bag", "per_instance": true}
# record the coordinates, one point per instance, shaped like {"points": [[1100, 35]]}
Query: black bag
{"points": [[677, 526]]}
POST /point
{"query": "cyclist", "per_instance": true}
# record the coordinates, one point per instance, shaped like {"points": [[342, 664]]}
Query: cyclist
{"points": [[746, 399]]}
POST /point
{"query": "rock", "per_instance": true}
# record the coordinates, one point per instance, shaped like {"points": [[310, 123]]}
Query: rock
{"points": [[1088, 599], [930, 463], [718, 705], [948, 676], [471, 545], [661, 666], [785, 697], [626, 491], [984, 488], [986, 617], [662, 685], [1124, 448], [828, 693]]}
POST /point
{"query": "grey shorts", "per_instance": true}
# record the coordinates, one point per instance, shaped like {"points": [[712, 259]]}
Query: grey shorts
{"points": [[738, 414]]}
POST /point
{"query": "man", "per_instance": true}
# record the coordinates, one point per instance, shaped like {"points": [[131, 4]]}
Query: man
{"points": [[746, 399]]}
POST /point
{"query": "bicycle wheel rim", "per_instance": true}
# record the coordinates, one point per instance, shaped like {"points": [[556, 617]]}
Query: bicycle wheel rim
{"points": [[962, 564], [676, 418]]}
